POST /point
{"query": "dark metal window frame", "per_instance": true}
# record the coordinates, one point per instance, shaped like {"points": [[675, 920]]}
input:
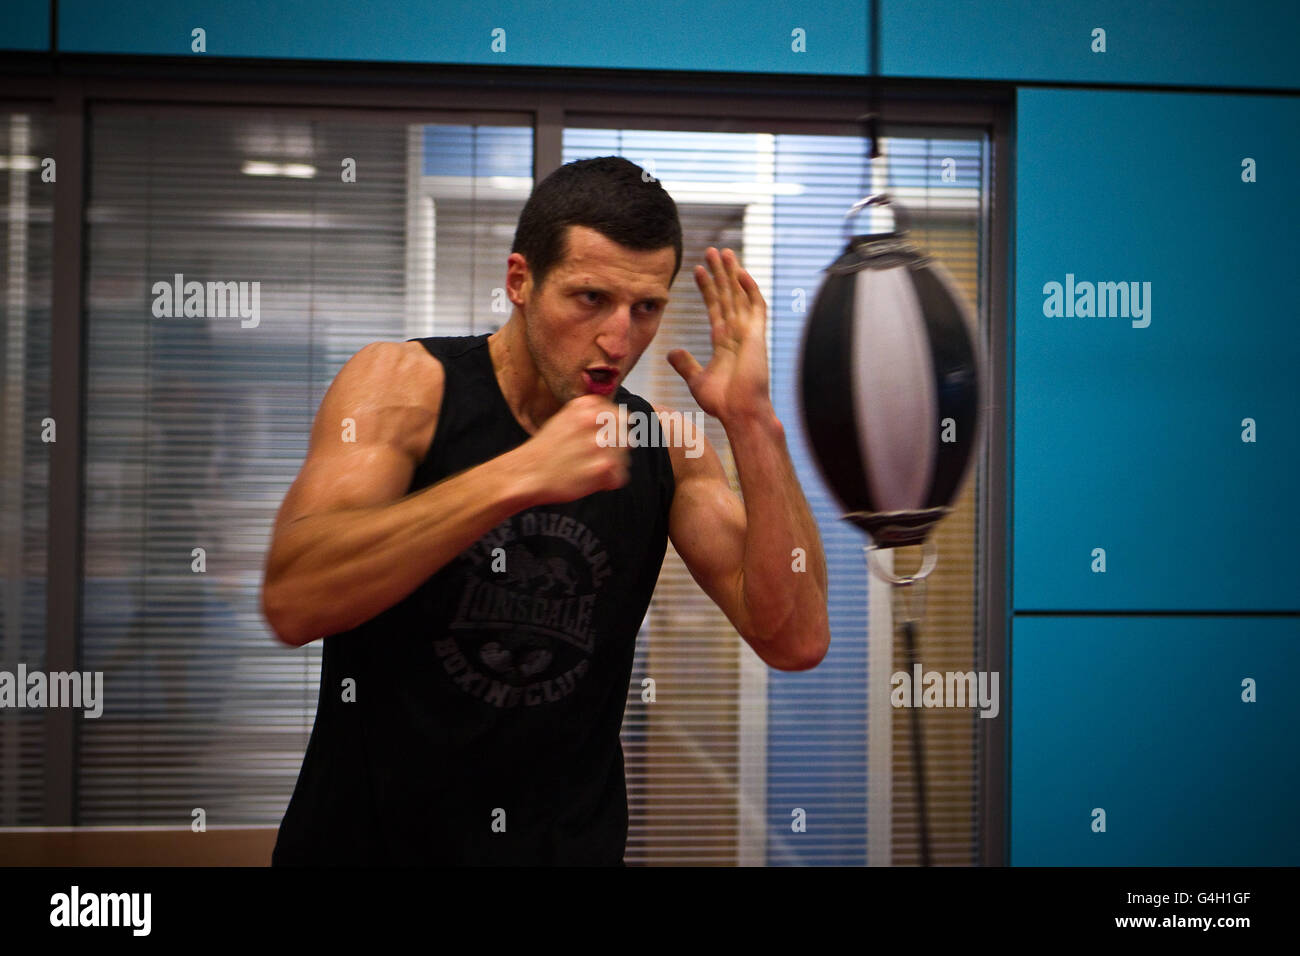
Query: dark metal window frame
{"points": [[550, 99]]}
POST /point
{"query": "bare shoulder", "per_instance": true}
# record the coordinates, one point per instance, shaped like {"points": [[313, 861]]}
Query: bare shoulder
{"points": [[395, 389], [373, 426], [397, 367]]}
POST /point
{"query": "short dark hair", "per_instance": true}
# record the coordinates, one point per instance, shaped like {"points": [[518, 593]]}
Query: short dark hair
{"points": [[608, 194]]}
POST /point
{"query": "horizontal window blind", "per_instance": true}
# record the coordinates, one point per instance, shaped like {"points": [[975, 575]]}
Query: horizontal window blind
{"points": [[729, 754], [198, 424], [26, 245]]}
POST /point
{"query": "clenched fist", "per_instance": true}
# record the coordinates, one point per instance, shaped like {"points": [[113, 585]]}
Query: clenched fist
{"points": [[566, 458]]}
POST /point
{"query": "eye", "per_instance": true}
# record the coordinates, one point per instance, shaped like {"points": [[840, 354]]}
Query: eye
{"points": [[590, 293]]}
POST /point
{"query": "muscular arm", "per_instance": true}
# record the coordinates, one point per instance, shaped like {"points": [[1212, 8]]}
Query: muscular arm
{"points": [[742, 553], [348, 543], [786, 607]]}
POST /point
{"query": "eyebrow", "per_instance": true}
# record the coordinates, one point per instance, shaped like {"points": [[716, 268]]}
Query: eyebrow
{"points": [[593, 287]]}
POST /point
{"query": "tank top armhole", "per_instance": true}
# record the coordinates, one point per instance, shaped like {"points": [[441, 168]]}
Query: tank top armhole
{"points": [[666, 478], [431, 345], [669, 479]]}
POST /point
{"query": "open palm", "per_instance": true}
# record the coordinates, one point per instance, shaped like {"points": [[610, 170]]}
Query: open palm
{"points": [[735, 382]]}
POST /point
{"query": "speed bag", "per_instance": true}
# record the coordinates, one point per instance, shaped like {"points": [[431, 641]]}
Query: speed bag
{"points": [[889, 385]]}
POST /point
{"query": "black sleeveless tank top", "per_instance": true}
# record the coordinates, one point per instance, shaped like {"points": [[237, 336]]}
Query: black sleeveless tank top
{"points": [[477, 720]]}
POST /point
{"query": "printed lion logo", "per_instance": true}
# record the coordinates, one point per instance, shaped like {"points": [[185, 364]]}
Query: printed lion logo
{"points": [[523, 567], [522, 631], [502, 660]]}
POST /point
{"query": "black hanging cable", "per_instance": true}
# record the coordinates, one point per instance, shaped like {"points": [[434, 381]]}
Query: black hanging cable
{"points": [[918, 746], [873, 116]]}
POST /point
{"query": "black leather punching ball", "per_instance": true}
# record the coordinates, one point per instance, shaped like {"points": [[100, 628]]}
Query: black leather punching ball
{"points": [[889, 384]]}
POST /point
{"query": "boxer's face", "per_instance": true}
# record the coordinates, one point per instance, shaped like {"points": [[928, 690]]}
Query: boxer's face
{"points": [[600, 306]]}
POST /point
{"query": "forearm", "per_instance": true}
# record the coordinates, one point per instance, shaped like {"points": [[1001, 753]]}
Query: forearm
{"points": [[784, 600], [333, 571]]}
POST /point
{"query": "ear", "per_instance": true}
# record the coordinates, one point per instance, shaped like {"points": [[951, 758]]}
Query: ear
{"points": [[519, 279]]}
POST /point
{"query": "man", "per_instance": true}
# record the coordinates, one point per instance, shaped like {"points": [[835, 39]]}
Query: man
{"points": [[478, 554]]}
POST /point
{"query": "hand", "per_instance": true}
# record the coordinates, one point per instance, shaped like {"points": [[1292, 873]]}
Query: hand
{"points": [[565, 458], [735, 383]]}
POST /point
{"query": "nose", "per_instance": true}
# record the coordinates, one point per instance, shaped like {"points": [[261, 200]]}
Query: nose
{"points": [[615, 337]]}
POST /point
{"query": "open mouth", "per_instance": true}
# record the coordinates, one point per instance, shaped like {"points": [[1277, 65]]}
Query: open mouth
{"points": [[601, 379]]}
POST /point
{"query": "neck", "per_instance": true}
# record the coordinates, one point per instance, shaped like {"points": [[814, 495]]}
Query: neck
{"points": [[521, 383]]}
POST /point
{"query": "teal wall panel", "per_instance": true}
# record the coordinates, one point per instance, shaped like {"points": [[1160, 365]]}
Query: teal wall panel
{"points": [[1156, 42], [757, 36], [1128, 431], [1144, 719], [25, 25]]}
